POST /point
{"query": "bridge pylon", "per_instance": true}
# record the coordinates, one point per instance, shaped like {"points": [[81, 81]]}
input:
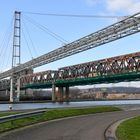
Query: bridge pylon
{"points": [[14, 81]]}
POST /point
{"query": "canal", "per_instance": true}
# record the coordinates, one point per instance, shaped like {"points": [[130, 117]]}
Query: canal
{"points": [[22, 106]]}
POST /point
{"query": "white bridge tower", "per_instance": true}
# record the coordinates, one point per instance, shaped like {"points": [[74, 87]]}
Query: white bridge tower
{"points": [[14, 81]]}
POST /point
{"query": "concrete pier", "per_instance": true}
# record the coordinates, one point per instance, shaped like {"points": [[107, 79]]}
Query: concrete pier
{"points": [[60, 93], [53, 93], [67, 93]]}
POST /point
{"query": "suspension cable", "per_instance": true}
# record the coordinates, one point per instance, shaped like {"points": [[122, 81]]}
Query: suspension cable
{"points": [[9, 56], [27, 43], [45, 29], [73, 15], [33, 46], [5, 36], [5, 44]]}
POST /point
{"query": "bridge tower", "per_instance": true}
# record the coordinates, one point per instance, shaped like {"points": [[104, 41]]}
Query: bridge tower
{"points": [[14, 81]]}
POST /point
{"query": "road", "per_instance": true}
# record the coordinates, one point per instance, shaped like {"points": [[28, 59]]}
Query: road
{"points": [[90, 127]]}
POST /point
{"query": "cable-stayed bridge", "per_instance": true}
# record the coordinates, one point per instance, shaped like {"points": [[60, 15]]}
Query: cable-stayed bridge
{"points": [[116, 69]]}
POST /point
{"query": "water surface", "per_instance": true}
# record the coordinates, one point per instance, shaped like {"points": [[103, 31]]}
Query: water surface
{"points": [[22, 106]]}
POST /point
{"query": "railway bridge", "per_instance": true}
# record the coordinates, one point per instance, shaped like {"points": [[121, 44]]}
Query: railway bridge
{"points": [[123, 68]]}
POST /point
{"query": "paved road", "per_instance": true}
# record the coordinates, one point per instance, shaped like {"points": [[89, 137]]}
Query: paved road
{"points": [[90, 127]]}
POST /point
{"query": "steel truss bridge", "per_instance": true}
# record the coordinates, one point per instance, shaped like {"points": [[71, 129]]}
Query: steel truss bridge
{"points": [[116, 69], [111, 70]]}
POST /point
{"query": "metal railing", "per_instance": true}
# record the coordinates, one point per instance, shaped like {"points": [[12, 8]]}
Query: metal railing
{"points": [[20, 116]]}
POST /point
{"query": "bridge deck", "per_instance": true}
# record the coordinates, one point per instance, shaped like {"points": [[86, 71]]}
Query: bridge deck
{"points": [[133, 76]]}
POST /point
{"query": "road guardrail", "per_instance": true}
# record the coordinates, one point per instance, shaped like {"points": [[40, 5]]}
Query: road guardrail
{"points": [[20, 116]]}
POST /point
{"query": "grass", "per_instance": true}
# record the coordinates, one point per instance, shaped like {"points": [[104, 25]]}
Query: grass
{"points": [[129, 129], [9, 113], [54, 114]]}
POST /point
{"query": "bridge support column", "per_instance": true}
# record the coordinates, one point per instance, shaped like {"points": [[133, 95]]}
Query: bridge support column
{"points": [[18, 90], [60, 94], [11, 90], [6, 92], [14, 94], [53, 92], [67, 93]]}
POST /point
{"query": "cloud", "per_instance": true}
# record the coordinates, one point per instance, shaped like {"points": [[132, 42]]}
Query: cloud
{"points": [[125, 6], [116, 6]]}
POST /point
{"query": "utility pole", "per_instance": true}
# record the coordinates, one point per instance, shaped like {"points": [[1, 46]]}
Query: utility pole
{"points": [[14, 81]]}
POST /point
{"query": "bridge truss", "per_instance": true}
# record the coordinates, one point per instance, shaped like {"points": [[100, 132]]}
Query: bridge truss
{"points": [[115, 69], [126, 27], [111, 70]]}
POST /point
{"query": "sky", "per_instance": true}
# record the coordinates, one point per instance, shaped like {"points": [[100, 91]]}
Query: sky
{"points": [[35, 42]]}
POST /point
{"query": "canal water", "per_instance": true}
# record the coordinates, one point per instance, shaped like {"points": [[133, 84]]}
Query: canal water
{"points": [[22, 106]]}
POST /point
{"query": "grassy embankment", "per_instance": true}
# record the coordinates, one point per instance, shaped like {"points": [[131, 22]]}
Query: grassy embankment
{"points": [[129, 129], [54, 114]]}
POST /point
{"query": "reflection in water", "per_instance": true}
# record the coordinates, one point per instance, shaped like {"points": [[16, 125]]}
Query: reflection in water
{"points": [[4, 107]]}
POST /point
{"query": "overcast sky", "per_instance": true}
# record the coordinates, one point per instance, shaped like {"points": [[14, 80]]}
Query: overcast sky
{"points": [[35, 42]]}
